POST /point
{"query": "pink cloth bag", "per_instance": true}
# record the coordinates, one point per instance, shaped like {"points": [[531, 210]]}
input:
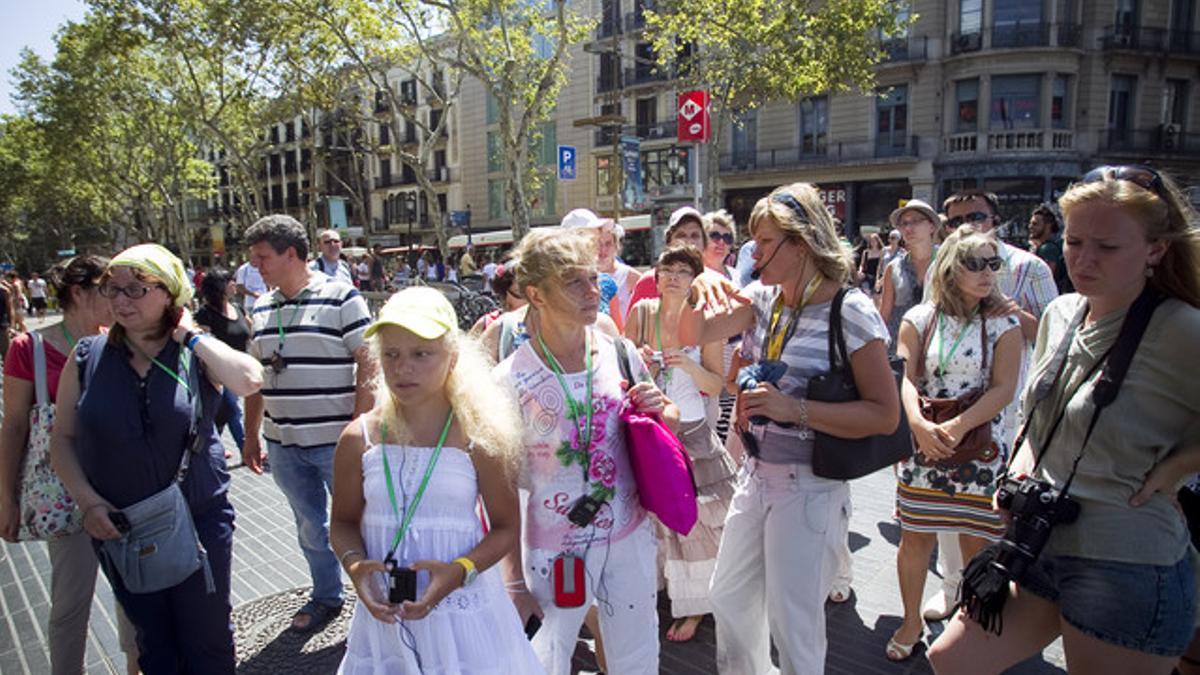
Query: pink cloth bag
{"points": [[662, 469]]}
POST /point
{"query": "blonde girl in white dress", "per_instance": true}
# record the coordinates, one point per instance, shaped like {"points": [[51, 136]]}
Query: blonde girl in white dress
{"points": [[439, 438]]}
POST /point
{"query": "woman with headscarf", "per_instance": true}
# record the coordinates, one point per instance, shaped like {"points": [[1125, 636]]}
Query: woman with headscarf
{"points": [[136, 410]]}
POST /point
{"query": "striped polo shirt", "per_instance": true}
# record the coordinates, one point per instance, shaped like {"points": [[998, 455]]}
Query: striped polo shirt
{"points": [[310, 401]]}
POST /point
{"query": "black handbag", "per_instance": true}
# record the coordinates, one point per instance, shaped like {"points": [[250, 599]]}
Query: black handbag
{"points": [[848, 458]]}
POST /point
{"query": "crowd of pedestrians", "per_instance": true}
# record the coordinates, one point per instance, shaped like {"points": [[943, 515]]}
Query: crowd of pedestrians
{"points": [[480, 489]]}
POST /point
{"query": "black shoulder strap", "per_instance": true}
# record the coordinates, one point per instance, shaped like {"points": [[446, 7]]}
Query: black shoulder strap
{"points": [[1132, 330], [87, 358], [838, 355]]}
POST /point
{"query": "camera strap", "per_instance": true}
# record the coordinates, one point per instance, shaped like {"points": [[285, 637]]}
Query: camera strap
{"points": [[410, 509], [1113, 366]]}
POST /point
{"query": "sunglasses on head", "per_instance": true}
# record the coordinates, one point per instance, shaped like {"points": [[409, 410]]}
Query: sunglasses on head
{"points": [[1141, 176], [972, 217], [726, 237], [978, 264]]}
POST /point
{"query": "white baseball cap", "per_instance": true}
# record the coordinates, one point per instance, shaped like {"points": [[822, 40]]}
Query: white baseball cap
{"points": [[585, 219]]}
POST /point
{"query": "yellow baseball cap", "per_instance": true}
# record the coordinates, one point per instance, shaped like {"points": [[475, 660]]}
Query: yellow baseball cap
{"points": [[422, 310]]}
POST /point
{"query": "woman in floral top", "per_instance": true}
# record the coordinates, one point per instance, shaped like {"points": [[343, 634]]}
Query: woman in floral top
{"points": [[570, 387]]}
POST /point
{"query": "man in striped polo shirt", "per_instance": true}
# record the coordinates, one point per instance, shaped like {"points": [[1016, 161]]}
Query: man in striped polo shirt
{"points": [[308, 334]]}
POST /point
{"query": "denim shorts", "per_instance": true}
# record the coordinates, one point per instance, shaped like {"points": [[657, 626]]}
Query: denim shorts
{"points": [[1147, 608]]}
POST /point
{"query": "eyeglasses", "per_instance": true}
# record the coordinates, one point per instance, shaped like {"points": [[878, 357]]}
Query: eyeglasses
{"points": [[134, 292], [972, 217], [977, 264], [1141, 176], [675, 273], [726, 237], [332, 241]]}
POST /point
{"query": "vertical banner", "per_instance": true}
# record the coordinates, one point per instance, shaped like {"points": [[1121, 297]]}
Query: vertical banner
{"points": [[633, 197], [337, 213], [692, 124], [217, 234]]}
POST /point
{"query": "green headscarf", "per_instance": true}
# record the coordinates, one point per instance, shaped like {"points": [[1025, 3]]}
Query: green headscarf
{"points": [[161, 263]]}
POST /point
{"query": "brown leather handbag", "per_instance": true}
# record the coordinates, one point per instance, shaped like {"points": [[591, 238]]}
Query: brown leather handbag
{"points": [[976, 444]]}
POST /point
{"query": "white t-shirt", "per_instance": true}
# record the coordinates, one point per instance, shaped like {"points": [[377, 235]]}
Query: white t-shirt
{"points": [[554, 481], [37, 288], [247, 275]]}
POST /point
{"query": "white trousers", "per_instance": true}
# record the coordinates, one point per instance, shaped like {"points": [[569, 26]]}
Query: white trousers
{"points": [[950, 563], [778, 558], [622, 580]]}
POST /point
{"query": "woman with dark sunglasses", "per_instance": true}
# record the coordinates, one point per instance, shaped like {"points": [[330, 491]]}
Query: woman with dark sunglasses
{"points": [[1118, 583], [952, 348], [722, 232]]}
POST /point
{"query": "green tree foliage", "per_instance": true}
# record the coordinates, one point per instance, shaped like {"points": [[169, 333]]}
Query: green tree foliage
{"points": [[749, 52]]}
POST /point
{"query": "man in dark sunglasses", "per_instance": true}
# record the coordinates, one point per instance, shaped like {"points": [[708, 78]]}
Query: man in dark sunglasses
{"points": [[1027, 285]]}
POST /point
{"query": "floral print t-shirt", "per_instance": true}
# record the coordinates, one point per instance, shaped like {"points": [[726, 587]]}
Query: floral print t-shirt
{"points": [[554, 467]]}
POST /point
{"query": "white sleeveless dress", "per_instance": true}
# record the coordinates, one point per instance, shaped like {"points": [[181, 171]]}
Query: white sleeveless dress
{"points": [[475, 629]]}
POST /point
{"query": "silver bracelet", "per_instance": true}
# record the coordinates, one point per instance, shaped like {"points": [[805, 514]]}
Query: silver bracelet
{"points": [[342, 558], [802, 422]]}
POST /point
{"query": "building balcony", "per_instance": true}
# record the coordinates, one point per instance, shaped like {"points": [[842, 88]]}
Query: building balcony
{"points": [[1166, 139], [647, 75], [607, 83], [661, 131], [901, 49], [1006, 141], [963, 43], [816, 154], [1157, 40], [1017, 35], [438, 174]]}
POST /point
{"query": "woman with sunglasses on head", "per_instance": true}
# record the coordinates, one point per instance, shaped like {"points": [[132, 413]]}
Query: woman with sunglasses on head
{"points": [[1117, 583], [786, 526], [144, 404], [408, 475], [72, 561], [586, 537], [692, 378], [951, 349]]}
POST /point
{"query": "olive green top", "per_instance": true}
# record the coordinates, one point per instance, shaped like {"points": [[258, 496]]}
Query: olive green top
{"points": [[1156, 410]]}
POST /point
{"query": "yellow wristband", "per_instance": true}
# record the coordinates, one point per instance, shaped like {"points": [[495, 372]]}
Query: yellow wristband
{"points": [[468, 568]]}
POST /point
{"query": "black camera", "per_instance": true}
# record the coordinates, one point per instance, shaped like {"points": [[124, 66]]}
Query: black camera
{"points": [[1036, 507], [402, 582], [120, 521], [584, 511]]}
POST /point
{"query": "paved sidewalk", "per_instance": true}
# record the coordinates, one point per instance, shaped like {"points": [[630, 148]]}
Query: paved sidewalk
{"points": [[267, 562]]}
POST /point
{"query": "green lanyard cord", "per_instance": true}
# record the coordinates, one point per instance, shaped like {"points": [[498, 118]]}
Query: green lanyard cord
{"points": [[387, 472], [67, 335], [658, 334], [166, 369], [585, 434], [943, 358], [291, 319]]}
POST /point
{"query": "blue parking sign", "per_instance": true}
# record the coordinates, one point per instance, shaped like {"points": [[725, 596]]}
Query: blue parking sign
{"points": [[566, 162]]}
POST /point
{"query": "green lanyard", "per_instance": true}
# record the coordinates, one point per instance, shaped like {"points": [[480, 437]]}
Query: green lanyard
{"points": [[585, 433], [291, 319], [166, 369], [943, 358], [67, 335], [658, 334], [387, 472]]}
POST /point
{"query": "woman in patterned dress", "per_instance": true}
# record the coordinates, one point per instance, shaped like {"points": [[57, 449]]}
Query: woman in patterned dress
{"points": [[955, 332]]}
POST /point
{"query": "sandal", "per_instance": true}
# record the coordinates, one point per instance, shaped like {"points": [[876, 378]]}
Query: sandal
{"points": [[839, 593], [319, 616], [898, 651]]}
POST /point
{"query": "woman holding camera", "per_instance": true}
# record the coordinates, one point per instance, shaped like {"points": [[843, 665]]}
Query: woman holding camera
{"points": [[123, 427], [407, 477], [691, 377], [587, 538], [951, 350], [786, 526], [1117, 583]]}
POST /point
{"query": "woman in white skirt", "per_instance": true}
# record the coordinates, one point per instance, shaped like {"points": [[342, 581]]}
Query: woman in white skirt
{"points": [[407, 477]]}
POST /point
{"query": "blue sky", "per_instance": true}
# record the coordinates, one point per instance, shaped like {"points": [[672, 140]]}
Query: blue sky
{"points": [[29, 23]]}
